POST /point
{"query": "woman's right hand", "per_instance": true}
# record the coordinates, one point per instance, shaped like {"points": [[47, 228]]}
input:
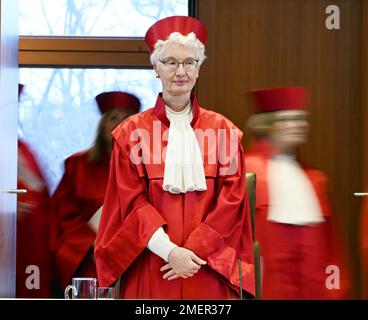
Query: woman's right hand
{"points": [[183, 263]]}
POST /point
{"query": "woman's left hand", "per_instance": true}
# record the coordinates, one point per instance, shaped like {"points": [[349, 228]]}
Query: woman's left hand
{"points": [[183, 263]]}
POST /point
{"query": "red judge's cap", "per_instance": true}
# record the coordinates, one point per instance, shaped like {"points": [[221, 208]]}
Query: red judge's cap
{"points": [[278, 99], [117, 99], [162, 29]]}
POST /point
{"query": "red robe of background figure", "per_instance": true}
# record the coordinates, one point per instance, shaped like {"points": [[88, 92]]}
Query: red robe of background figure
{"points": [[81, 192], [33, 229], [295, 254], [78, 196], [214, 224]]}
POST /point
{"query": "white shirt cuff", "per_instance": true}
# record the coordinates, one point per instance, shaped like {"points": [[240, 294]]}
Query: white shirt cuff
{"points": [[160, 244]]}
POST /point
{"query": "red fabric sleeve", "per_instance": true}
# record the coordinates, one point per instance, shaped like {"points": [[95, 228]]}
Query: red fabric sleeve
{"points": [[226, 235], [72, 235], [128, 219]]}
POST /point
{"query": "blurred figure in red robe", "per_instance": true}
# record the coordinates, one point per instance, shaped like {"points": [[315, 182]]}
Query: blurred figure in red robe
{"points": [[175, 222], [34, 268], [79, 196], [294, 223]]}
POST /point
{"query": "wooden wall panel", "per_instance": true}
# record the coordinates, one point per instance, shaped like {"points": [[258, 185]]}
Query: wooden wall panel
{"points": [[364, 273], [265, 43]]}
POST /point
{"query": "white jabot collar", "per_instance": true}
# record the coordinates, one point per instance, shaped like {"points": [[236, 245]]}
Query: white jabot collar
{"points": [[183, 164], [292, 196]]}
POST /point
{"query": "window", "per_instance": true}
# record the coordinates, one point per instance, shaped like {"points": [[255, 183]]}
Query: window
{"points": [[71, 50], [58, 115], [103, 18]]}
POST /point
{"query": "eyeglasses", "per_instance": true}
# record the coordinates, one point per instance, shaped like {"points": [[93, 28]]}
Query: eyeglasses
{"points": [[171, 64], [295, 118]]}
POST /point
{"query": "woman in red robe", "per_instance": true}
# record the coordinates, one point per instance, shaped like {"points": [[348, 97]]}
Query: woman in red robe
{"points": [[80, 193], [175, 222], [294, 222]]}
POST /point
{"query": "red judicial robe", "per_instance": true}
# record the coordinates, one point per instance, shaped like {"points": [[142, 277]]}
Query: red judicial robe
{"points": [[294, 258], [214, 224], [33, 229], [78, 196]]}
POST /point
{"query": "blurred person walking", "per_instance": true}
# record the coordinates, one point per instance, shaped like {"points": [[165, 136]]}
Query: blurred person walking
{"points": [[294, 222]]}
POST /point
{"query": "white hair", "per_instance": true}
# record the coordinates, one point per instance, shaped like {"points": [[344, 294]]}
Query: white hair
{"points": [[189, 41]]}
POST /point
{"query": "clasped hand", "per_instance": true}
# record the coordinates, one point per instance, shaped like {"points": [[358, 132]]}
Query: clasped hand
{"points": [[182, 263]]}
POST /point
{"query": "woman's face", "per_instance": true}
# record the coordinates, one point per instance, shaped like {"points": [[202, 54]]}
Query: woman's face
{"points": [[114, 117], [181, 80], [290, 129]]}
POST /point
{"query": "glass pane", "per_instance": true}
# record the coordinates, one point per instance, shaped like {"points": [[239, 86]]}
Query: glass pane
{"points": [[58, 115], [116, 18]]}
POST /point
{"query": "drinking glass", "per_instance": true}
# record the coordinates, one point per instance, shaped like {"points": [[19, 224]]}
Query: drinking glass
{"points": [[82, 288], [105, 293]]}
